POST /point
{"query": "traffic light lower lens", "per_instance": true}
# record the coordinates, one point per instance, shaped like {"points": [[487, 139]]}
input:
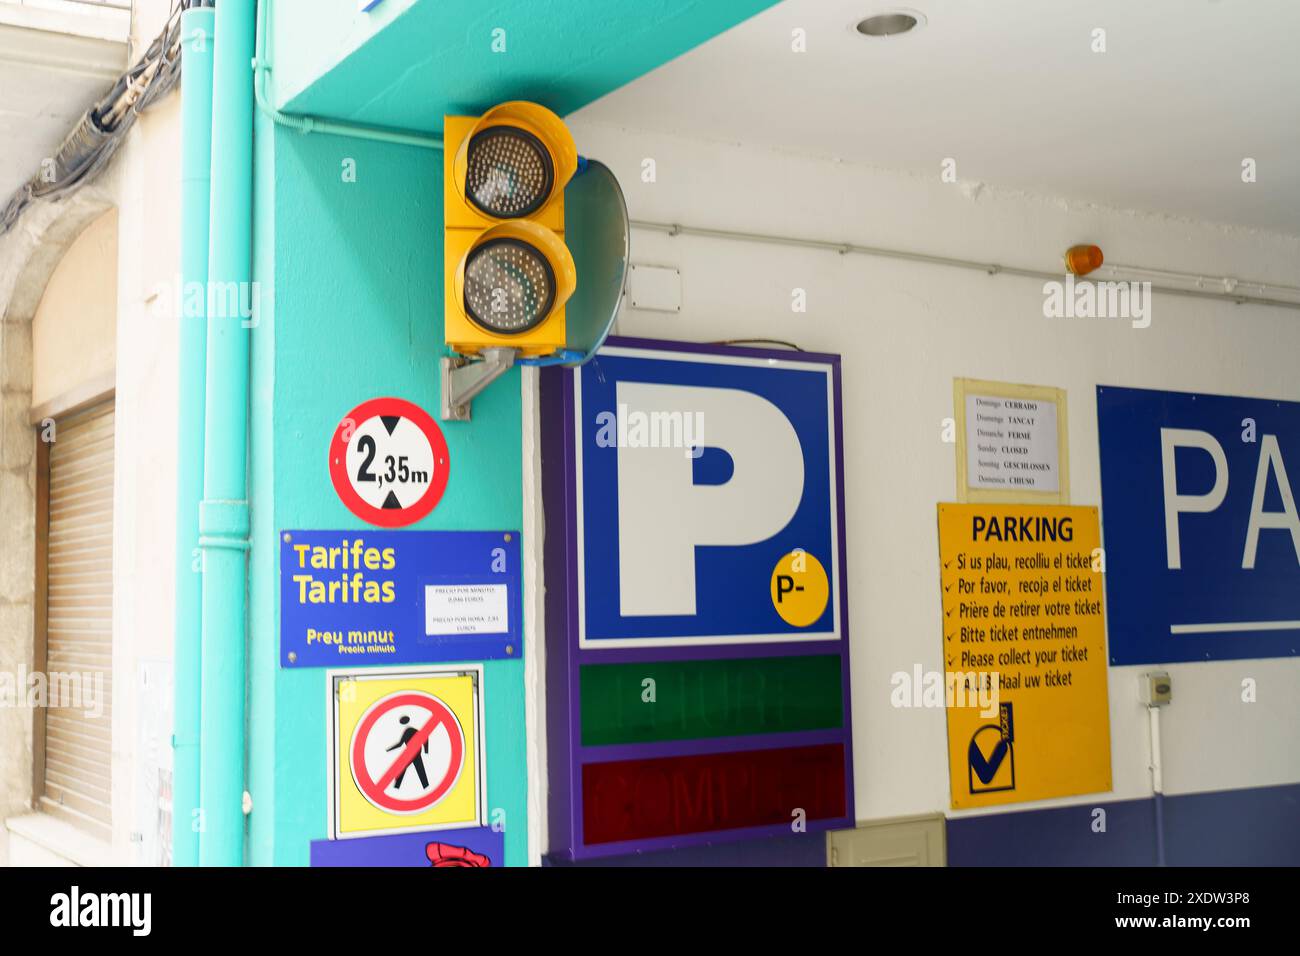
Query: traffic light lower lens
{"points": [[508, 172], [509, 286]]}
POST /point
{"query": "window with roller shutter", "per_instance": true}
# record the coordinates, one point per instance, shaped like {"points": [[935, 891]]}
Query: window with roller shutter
{"points": [[75, 620]]}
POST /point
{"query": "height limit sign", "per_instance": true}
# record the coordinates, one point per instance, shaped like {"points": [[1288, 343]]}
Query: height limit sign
{"points": [[389, 462]]}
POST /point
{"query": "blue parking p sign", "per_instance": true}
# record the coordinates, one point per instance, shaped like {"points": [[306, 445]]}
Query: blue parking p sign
{"points": [[1200, 525], [708, 498], [694, 503]]}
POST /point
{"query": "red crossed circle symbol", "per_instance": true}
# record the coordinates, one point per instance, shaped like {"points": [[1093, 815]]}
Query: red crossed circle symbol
{"points": [[374, 788]]}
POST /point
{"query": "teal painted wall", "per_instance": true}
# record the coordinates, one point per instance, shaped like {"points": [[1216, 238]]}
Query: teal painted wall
{"points": [[263, 625], [354, 272], [357, 279], [438, 57], [325, 32]]}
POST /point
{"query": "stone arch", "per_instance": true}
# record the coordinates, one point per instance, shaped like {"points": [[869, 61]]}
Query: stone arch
{"points": [[29, 255]]}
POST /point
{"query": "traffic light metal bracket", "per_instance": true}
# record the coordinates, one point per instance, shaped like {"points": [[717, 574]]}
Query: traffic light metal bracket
{"points": [[463, 379]]}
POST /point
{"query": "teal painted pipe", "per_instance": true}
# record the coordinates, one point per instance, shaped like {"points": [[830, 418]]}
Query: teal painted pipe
{"points": [[316, 124], [223, 516], [196, 164]]}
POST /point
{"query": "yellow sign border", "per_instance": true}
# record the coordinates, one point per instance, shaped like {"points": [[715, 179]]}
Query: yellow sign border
{"points": [[961, 387], [334, 768], [1065, 786]]}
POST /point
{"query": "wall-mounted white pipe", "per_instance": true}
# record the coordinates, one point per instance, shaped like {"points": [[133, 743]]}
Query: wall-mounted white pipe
{"points": [[991, 268], [1157, 770], [1157, 783], [1227, 284], [261, 64]]}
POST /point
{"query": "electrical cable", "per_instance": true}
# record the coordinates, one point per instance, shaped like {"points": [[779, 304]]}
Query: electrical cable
{"points": [[92, 143], [778, 342]]}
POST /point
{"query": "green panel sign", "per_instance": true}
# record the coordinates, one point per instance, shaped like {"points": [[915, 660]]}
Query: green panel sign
{"points": [[679, 700]]}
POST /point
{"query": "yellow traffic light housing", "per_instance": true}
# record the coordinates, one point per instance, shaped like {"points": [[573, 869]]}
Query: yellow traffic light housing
{"points": [[513, 293], [508, 272]]}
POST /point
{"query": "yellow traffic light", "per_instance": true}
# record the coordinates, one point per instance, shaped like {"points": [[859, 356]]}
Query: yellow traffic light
{"points": [[508, 272]]}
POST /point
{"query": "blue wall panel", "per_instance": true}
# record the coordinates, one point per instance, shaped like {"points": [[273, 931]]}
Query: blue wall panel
{"points": [[1259, 826], [1254, 827], [804, 850], [1251, 827], [1061, 836]]}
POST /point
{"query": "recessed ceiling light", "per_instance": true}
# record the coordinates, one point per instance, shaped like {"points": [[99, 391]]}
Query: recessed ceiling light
{"points": [[892, 23]]}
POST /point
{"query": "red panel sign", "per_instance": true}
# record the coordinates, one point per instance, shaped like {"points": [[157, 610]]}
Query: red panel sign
{"points": [[666, 796]]}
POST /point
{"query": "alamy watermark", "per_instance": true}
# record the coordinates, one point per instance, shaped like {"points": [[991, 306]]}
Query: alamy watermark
{"points": [[946, 689], [632, 428], [82, 691], [215, 300], [1069, 299], [75, 908]]}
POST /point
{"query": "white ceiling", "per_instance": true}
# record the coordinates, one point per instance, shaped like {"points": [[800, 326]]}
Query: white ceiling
{"points": [[56, 60], [1012, 91]]}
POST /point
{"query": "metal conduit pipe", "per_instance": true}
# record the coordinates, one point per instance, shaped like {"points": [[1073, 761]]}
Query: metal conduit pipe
{"points": [[196, 164], [991, 268], [316, 124], [224, 513]]}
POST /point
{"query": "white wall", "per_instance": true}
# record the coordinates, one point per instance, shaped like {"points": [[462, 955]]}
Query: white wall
{"points": [[138, 345], [75, 326], [905, 331], [144, 532]]}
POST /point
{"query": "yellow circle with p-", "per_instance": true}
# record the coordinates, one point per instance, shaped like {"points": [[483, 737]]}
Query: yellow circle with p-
{"points": [[800, 588]]}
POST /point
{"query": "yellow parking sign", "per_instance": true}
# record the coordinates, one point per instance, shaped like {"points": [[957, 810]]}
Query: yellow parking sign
{"points": [[406, 749], [1024, 648]]}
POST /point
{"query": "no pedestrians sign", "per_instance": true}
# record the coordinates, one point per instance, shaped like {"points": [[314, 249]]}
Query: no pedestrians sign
{"points": [[406, 750]]}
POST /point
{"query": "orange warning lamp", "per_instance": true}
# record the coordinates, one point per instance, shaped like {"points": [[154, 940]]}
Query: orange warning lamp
{"points": [[1081, 260], [508, 271]]}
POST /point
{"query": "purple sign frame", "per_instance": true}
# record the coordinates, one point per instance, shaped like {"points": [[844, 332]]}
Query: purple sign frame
{"points": [[566, 753], [470, 847]]}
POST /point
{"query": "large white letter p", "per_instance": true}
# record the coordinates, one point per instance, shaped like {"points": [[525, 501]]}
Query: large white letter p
{"points": [[1171, 439], [663, 516]]}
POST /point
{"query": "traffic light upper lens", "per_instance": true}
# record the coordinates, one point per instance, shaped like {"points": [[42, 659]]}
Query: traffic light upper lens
{"points": [[508, 173], [509, 286]]}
